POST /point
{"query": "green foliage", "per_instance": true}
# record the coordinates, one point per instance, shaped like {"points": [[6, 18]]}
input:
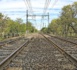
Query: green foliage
{"points": [[68, 17], [14, 28], [30, 27], [9, 28], [66, 24], [44, 30]]}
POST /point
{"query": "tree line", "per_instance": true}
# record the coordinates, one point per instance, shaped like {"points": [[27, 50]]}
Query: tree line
{"points": [[66, 24], [11, 28]]}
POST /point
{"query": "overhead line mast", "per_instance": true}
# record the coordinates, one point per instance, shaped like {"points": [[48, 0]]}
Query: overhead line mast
{"points": [[29, 7], [47, 2]]}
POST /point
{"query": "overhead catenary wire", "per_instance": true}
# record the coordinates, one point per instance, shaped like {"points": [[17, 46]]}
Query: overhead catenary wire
{"points": [[46, 6], [47, 2], [54, 3], [32, 12], [28, 5]]}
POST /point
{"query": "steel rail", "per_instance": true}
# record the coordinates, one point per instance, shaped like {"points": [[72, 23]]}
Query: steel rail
{"points": [[64, 40], [5, 42], [7, 60], [68, 56], [8, 41]]}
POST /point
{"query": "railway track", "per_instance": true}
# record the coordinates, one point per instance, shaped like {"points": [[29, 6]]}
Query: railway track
{"points": [[69, 46], [8, 49], [66, 45], [71, 40], [2, 43], [39, 53]]}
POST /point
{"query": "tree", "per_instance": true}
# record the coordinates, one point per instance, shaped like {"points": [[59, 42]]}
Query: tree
{"points": [[19, 20], [2, 24], [30, 28], [74, 17], [66, 23], [68, 17], [44, 30], [55, 26]]}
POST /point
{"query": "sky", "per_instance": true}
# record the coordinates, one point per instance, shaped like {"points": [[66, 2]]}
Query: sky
{"points": [[17, 9]]}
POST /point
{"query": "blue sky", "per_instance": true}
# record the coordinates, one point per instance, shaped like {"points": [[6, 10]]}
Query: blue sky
{"points": [[17, 9]]}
